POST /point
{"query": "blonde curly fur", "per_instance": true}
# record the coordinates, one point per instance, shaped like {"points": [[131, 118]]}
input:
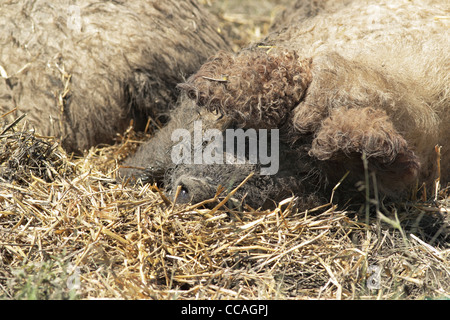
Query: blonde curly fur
{"points": [[82, 72]]}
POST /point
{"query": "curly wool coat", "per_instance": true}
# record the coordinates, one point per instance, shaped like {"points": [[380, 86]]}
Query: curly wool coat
{"points": [[82, 72]]}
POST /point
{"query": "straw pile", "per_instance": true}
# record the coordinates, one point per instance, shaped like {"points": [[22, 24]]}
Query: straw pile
{"points": [[68, 231]]}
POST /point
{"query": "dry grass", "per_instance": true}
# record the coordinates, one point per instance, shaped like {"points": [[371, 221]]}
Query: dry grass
{"points": [[64, 220], [68, 230]]}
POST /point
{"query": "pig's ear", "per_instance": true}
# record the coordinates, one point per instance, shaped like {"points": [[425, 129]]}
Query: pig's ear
{"points": [[258, 88], [348, 133]]}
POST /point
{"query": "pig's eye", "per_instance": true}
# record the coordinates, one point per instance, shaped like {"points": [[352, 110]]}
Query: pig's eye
{"points": [[184, 195], [184, 190]]}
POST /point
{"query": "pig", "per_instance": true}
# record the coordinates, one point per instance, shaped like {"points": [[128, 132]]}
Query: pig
{"points": [[365, 80], [84, 72]]}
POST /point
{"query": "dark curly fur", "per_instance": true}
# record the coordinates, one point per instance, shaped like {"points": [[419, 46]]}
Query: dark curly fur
{"points": [[348, 132], [257, 89], [200, 182]]}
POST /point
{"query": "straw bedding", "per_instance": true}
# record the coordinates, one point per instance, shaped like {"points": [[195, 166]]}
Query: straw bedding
{"points": [[63, 219]]}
